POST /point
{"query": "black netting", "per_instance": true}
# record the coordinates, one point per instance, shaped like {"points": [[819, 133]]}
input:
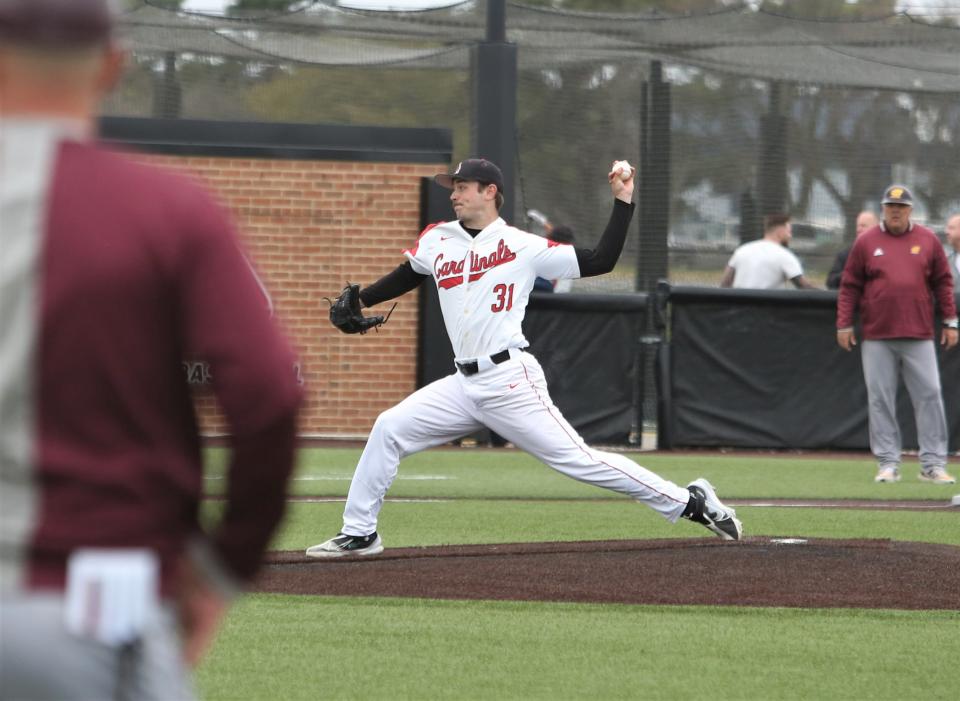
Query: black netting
{"points": [[858, 105]]}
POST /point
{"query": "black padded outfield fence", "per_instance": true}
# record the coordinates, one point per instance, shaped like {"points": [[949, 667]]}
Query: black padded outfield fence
{"points": [[762, 369]]}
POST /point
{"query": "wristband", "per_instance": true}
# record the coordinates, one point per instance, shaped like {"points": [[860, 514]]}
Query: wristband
{"points": [[952, 324]]}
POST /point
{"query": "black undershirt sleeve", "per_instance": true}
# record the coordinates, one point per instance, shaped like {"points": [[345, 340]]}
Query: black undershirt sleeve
{"points": [[400, 281], [598, 261], [602, 259]]}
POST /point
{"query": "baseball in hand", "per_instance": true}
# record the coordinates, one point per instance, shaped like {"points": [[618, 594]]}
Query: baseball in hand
{"points": [[626, 170]]}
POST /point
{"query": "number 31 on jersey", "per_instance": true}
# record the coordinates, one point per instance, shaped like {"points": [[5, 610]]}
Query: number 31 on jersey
{"points": [[504, 295]]}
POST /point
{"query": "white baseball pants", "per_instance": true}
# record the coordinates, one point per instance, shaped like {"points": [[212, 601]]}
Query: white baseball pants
{"points": [[511, 399]]}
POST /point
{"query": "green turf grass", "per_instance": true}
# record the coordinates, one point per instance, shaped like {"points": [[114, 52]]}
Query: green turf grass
{"points": [[485, 473], [407, 524], [286, 647]]}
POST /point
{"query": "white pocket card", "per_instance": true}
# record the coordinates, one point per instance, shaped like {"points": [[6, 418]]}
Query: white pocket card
{"points": [[112, 594]]}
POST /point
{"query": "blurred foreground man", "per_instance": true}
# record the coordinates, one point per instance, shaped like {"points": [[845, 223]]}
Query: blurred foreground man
{"points": [[112, 273], [894, 274]]}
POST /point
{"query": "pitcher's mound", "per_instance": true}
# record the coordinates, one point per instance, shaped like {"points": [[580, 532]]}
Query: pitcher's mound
{"points": [[758, 571]]}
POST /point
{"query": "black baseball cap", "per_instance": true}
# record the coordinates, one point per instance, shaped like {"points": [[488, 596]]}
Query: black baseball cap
{"points": [[897, 194], [479, 169], [56, 22]]}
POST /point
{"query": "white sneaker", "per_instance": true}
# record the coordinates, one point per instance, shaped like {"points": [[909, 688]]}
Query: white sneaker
{"points": [[937, 475], [887, 474], [713, 513], [342, 545]]}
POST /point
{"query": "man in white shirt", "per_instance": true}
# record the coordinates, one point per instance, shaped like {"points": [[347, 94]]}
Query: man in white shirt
{"points": [[766, 264]]}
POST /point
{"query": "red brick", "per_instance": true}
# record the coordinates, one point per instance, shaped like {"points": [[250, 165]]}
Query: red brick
{"points": [[309, 226]]}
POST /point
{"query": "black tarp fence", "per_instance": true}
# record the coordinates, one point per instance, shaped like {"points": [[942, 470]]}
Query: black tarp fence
{"points": [[734, 368], [590, 348], [762, 369]]}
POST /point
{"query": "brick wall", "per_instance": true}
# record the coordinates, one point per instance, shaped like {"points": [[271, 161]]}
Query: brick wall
{"points": [[310, 225]]}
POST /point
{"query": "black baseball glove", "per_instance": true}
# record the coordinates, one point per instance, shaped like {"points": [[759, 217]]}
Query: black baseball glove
{"points": [[345, 312]]}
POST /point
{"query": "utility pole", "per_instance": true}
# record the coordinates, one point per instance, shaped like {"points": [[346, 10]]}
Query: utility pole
{"points": [[495, 101]]}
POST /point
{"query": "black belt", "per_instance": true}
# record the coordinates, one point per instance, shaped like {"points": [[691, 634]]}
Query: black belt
{"points": [[472, 368]]}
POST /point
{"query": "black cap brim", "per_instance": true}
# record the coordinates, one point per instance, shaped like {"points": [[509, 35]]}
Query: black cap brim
{"points": [[444, 180]]}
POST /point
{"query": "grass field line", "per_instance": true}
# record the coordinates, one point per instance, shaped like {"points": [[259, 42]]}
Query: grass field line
{"points": [[868, 504], [845, 504], [348, 478]]}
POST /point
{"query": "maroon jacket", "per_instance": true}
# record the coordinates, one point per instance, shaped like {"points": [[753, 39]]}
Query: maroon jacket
{"points": [[893, 280], [136, 270]]}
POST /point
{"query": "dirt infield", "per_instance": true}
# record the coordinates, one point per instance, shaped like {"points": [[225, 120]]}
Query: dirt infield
{"points": [[753, 572]]}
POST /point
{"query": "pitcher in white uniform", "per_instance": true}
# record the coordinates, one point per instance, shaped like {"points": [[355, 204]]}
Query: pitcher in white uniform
{"points": [[484, 270]]}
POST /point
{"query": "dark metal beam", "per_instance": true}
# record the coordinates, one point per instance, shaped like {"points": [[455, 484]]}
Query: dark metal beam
{"points": [[654, 186], [772, 173], [495, 102], [322, 142], [496, 20]]}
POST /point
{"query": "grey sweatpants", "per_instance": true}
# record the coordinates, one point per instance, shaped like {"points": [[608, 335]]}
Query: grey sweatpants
{"points": [[883, 361], [39, 659]]}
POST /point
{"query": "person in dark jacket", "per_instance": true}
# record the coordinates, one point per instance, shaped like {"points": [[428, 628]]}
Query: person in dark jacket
{"points": [[865, 220]]}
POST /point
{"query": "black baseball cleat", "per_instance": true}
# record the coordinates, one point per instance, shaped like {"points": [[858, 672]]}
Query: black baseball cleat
{"points": [[707, 509], [342, 545]]}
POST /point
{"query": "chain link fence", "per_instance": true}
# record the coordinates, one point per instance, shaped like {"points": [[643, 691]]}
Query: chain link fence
{"points": [[862, 104]]}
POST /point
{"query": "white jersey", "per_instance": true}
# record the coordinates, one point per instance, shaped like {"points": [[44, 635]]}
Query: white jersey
{"points": [[764, 265], [484, 283]]}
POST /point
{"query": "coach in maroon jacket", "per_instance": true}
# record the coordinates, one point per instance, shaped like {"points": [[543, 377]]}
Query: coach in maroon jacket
{"points": [[111, 273], [895, 272]]}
